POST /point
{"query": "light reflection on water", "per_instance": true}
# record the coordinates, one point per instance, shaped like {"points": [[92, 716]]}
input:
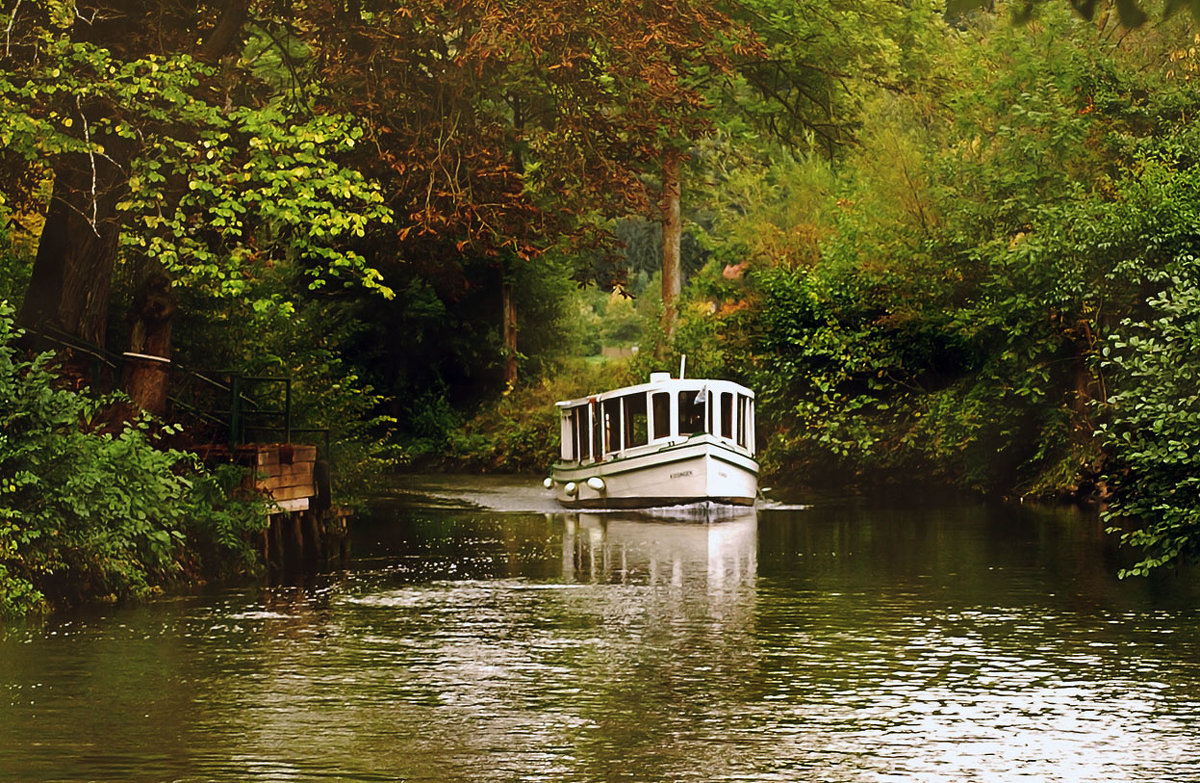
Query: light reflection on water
{"points": [[844, 645]]}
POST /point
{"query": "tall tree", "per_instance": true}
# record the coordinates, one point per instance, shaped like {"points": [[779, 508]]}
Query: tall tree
{"points": [[672, 235], [504, 129], [166, 155], [800, 80], [69, 286]]}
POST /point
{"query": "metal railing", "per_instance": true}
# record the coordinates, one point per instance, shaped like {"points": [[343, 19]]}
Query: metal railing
{"points": [[243, 409], [219, 406]]}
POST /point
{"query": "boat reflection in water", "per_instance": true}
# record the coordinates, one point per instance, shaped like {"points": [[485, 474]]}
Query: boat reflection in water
{"points": [[716, 554]]}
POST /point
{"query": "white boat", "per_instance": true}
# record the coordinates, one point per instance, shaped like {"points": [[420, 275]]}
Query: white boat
{"points": [[667, 442]]}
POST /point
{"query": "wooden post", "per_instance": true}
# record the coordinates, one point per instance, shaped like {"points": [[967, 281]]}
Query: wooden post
{"points": [[278, 550], [148, 363], [315, 540], [322, 486], [295, 559]]}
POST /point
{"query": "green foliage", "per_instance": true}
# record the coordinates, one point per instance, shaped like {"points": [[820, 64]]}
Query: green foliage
{"points": [[215, 194], [771, 205], [434, 427], [224, 521], [520, 431], [517, 434], [278, 196], [933, 306], [604, 319], [1131, 12], [15, 256], [1152, 419], [88, 513], [822, 59], [1155, 427]]}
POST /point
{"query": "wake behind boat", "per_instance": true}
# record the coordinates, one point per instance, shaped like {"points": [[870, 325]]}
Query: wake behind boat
{"points": [[667, 442]]}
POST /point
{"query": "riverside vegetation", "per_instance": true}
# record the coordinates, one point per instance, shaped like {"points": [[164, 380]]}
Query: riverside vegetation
{"points": [[938, 243]]}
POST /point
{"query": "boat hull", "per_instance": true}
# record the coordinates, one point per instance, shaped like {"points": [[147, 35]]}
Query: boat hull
{"points": [[698, 470]]}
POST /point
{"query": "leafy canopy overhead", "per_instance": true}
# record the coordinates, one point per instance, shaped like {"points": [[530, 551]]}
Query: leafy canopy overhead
{"points": [[501, 128], [219, 178]]}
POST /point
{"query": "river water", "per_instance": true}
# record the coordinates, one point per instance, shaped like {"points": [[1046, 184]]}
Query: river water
{"points": [[480, 634]]}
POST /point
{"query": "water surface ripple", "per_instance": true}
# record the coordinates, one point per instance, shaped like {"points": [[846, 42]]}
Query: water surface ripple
{"points": [[831, 643]]}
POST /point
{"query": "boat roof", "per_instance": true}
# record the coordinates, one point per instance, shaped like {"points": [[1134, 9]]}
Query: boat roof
{"points": [[663, 383]]}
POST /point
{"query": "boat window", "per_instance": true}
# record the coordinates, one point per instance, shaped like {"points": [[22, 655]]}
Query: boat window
{"points": [[612, 425], [743, 426], [727, 415], [661, 406], [579, 428], [636, 424], [595, 451], [691, 412], [712, 411], [751, 437]]}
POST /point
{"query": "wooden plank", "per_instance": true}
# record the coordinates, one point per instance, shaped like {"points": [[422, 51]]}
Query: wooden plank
{"points": [[285, 475], [276, 488], [276, 485], [288, 474], [287, 493], [282, 453], [296, 504], [267, 455]]}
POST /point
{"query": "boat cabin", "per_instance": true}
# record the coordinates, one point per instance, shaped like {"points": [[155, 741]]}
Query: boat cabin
{"points": [[665, 411]]}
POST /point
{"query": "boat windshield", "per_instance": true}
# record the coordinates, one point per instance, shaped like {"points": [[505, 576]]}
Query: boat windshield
{"points": [[691, 411]]}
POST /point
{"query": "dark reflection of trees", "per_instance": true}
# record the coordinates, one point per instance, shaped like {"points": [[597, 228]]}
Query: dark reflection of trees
{"points": [[1058, 556], [424, 545]]}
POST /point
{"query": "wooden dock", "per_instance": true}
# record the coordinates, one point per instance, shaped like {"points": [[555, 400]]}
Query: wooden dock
{"points": [[223, 412], [286, 474], [304, 531]]}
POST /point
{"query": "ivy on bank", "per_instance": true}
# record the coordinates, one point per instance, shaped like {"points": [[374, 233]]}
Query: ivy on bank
{"points": [[1151, 422]]}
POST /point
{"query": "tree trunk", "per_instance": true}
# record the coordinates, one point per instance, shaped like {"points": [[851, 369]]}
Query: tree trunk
{"points": [[72, 273], [510, 335], [71, 280], [147, 363], [672, 230], [227, 33]]}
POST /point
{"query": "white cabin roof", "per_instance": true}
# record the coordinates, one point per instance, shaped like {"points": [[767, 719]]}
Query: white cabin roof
{"points": [[660, 382]]}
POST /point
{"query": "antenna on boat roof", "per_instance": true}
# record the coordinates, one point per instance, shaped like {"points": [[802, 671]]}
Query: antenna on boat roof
{"points": [[682, 365]]}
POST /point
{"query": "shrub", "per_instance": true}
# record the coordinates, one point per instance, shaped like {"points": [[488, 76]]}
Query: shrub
{"points": [[88, 513]]}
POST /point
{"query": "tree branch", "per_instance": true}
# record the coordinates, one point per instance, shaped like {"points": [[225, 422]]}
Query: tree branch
{"points": [[12, 19], [87, 137]]}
